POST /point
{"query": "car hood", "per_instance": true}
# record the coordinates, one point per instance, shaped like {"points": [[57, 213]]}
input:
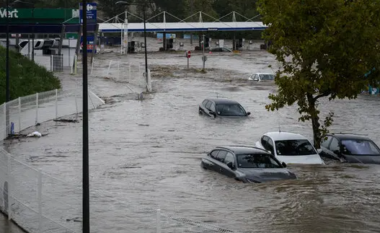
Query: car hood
{"points": [[301, 159], [265, 174], [368, 159]]}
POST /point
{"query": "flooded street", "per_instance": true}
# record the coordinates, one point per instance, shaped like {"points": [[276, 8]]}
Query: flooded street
{"points": [[145, 155]]}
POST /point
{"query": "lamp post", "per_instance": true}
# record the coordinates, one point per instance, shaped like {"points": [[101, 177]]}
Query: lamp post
{"points": [[145, 47]]}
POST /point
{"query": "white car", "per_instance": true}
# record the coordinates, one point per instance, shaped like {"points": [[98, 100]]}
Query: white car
{"points": [[262, 77], [290, 148]]}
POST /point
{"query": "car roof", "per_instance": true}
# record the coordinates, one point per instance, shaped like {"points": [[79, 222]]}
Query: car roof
{"points": [[244, 149], [223, 101], [285, 136], [348, 136]]}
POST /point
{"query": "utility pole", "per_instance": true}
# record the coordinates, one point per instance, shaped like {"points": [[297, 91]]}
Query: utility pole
{"points": [[86, 172], [146, 51], [7, 93], [203, 53]]}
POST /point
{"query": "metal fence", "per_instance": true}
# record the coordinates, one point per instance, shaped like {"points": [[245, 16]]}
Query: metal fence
{"points": [[36, 201], [40, 203]]}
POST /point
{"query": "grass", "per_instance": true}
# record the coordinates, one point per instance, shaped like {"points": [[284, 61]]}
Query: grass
{"points": [[25, 76]]}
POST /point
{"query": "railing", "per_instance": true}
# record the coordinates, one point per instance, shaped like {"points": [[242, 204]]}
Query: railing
{"points": [[40, 203], [36, 201]]}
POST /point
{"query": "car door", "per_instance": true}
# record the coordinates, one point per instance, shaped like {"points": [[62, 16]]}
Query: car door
{"points": [[208, 109], [334, 149], [202, 107], [230, 158], [219, 164], [324, 146], [211, 160]]}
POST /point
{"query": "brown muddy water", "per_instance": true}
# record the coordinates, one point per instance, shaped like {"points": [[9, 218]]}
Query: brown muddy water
{"points": [[145, 155]]}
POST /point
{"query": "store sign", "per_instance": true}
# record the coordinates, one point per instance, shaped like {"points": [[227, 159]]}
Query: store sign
{"points": [[12, 14]]}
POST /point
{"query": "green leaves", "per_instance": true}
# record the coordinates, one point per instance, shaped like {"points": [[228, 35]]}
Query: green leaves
{"points": [[331, 44]]}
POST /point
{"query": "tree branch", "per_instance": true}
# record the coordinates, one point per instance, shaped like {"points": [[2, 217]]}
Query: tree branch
{"points": [[326, 93]]}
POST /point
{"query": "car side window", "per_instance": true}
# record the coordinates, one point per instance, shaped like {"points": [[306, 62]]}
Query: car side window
{"points": [[326, 142], [334, 146], [208, 105], [222, 155], [270, 145], [212, 108], [204, 103], [214, 154], [264, 142], [229, 158]]}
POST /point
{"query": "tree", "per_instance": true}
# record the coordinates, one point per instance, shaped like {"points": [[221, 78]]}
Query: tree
{"points": [[327, 48]]}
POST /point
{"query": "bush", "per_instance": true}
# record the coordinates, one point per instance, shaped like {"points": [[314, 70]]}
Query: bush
{"points": [[25, 76]]}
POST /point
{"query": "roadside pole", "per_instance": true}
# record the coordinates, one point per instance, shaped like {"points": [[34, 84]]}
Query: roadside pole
{"points": [[188, 55], [203, 53]]}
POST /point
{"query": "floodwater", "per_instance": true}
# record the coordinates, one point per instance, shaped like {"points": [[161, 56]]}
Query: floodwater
{"points": [[145, 155]]}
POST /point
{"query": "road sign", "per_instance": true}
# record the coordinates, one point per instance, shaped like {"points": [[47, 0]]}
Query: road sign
{"points": [[188, 54], [91, 12]]}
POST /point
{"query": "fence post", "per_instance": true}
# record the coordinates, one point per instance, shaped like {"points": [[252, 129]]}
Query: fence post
{"points": [[56, 103], [158, 221], [118, 67], [9, 188], [37, 108], [39, 200], [5, 120], [76, 106], [129, 71], [92, 65], [149, 82], [19, 115]]}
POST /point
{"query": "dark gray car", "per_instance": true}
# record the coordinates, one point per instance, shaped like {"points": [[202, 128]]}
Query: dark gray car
{"points": [[246, 164], [222, 107], [350, 149]]}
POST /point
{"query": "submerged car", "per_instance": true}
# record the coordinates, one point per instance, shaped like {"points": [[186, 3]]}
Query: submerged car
{"points": [[262, 77], [350, 149], [290, 148], [220, 49], [222, 107], [246, 164]]}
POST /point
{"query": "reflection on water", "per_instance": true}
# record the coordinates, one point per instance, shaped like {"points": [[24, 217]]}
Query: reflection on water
{"points": [[146, 155]]}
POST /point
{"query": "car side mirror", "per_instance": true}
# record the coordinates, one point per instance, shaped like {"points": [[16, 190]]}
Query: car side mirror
{"points": [[248, 113], [319, 151], [230, 165], [283, 164]]}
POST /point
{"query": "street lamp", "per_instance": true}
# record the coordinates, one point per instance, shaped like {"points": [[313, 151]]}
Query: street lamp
{"points": [[146, 52]]}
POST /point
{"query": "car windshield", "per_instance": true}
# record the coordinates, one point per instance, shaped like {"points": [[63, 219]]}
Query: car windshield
{"points": [[359, 147], [257, 161], [294, 147], [230, 110], [266, 76]]}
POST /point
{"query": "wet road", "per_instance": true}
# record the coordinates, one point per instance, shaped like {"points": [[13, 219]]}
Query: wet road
{"points": [[145, 155]]}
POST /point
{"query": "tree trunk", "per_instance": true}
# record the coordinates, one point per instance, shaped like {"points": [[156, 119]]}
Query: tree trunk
{"points": [[314, 121]]}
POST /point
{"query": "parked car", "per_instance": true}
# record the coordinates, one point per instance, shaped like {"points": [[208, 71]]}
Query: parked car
{"points": [[222, 107], [350, 148], [262, 77], [246, 164], [290, 148], [220, 49]]}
